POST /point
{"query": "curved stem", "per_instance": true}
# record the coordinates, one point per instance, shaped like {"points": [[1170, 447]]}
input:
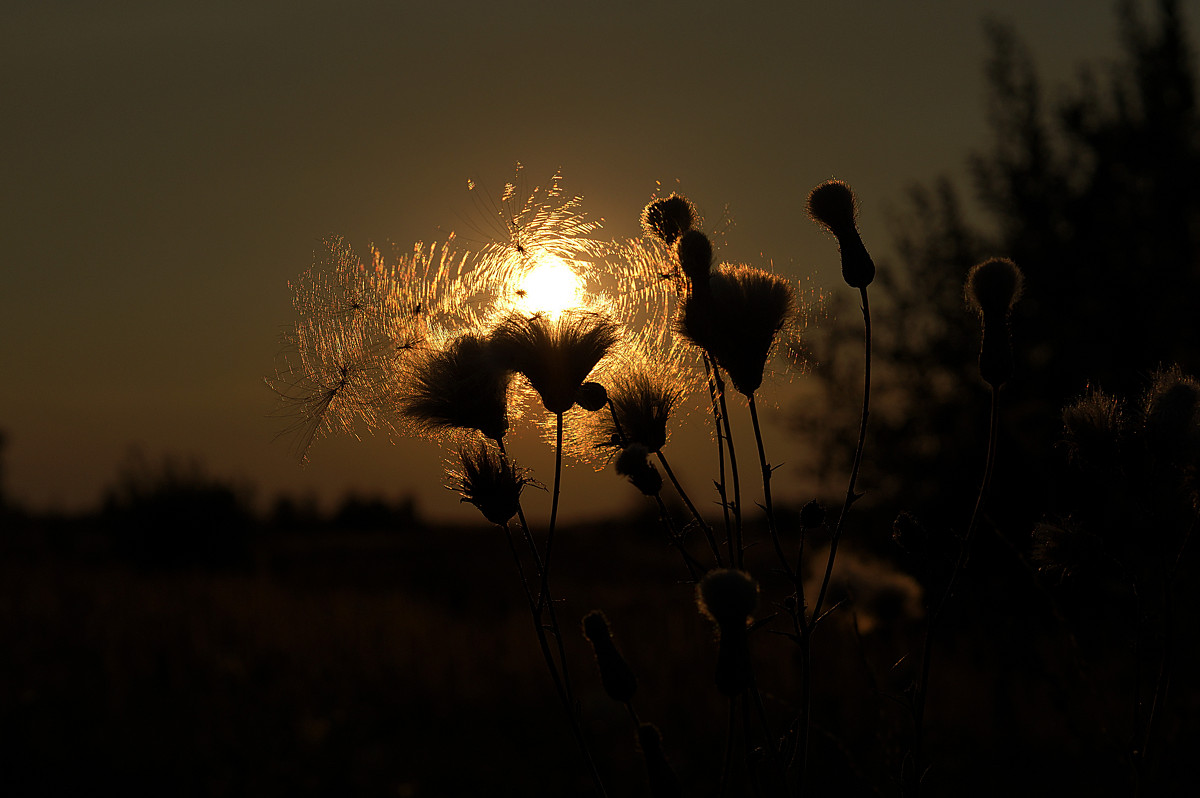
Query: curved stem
{"points": [[851, 496], [932, 627], [708, 533]]}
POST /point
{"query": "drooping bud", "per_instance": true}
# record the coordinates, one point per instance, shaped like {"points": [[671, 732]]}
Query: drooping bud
{"points": [[728, 596], [695, 258], [834, 206], [992, 288], [591, 396], [619, 680], [663, 781], [812, 515], [634, 462], [669, 218]]}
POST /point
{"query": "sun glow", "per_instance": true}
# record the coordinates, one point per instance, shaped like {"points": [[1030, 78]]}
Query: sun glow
{"points": [[549, 286]]}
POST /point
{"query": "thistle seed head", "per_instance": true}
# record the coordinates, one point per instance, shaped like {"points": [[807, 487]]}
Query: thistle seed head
{"points": [[739, 322], [993, 287], [555, 355], [1171, 410], [727, 596], [642, 404], [1094, 426], [463, 386], [669, 218], [490, 481]]}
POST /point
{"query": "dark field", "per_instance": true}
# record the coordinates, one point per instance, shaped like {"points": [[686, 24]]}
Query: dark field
{"points": [[402, 662]]}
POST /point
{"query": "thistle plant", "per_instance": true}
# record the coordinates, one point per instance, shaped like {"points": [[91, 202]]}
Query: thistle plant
{"points": [[452, 345]]}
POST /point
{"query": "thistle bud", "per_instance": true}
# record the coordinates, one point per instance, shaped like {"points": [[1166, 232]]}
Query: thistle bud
{"points": [[992, 288], [812, 515], [634, 462], [663, 781], [695, 257], [1172, 416], [834, 206], [619, 680], [490, 481], [727, 597], [1094, 426], [591, 396], [669, 218]]}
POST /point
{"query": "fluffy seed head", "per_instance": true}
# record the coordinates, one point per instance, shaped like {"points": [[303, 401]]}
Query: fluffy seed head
{"points": [[727, 596], [1171, 410], [462, 386], [555, 355], [833, 205], [993, 287], [739, 321], [669, 218], [1094, 426], [489, 481], [642, 404]]}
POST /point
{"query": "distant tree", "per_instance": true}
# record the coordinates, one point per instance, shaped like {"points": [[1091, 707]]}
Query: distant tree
{"points": [[1095, 197]]}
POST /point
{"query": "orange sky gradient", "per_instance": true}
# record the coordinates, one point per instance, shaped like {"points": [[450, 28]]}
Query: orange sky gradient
{"points": [[169, 167]]}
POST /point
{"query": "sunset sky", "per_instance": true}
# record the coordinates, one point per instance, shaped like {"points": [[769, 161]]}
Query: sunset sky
{"points": [[169, 167]]}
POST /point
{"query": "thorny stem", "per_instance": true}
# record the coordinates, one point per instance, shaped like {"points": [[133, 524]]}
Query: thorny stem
{"points": [[559, 686], [663, 514], [931, 629], [733, 467], [708, 533], [806, 626], [851, 496], [766, 480], [710, 369]]}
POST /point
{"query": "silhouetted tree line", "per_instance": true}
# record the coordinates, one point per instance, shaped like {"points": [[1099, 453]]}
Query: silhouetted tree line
{"points": [[1094, 196]]}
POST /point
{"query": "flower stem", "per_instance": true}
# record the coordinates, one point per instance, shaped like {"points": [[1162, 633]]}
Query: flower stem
{"points": [[766, 480], [931, 629], [708, 533]]}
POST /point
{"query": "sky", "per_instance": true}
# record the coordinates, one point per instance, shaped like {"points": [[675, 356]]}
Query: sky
{"points": [[169, 167]]}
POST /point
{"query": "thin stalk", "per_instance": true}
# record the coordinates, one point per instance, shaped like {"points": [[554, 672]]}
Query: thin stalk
{"points": [[766, 480], [710, 369], [559, 686], [733, 468], [558, 436], [931, 629], [708, 533], [851, 496], [677, 540]]}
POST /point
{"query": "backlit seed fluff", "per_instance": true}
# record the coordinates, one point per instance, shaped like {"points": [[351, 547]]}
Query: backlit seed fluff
{"points": [[994, 286], [727, 596], [669, 218], [490, 481]]}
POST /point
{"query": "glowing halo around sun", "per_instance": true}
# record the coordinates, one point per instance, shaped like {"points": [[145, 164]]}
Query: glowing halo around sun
{"points": [[549, 285]]}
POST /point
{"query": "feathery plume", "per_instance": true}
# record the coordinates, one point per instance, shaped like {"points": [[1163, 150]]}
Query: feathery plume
{"points": [[460, 387]]}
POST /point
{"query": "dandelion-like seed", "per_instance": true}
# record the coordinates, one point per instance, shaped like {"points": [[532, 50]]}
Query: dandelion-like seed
{"points": [[739, 320], [489, 481], [460, 387], [555, 355]]}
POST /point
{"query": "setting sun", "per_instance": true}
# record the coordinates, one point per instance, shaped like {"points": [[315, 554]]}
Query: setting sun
{"points": [[549, 286]]}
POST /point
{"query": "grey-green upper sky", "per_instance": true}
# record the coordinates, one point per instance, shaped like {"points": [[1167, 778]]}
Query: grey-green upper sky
{"points": [[169, 167]]}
